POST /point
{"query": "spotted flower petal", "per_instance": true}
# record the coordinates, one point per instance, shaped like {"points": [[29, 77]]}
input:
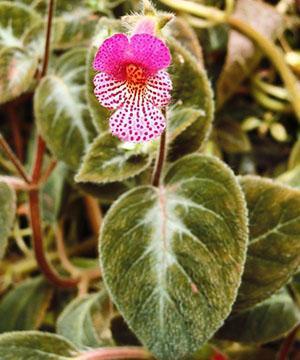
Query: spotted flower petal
{"points": [[111, 56], [149, 52], [137, 124], [110, 92], [158, 89]]}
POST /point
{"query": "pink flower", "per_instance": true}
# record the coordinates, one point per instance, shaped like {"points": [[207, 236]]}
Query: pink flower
{"points": [[133, 82]]}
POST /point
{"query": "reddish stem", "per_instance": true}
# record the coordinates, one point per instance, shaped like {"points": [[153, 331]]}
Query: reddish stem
{"points": [[287, 344], [160, 160], [115, 354]]}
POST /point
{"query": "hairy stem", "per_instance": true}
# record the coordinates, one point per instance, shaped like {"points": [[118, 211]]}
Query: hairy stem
{"points": [[13, 158], [160, 160], [287, 344], [115, 354]]}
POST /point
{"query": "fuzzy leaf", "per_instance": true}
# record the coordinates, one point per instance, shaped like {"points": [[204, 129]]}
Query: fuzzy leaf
{"points": [[15, 20], [85, 321], [265, 322], [24, 345], [291, 177], [191, 90], [231, 137], [172, 257], [7, 214], [242, 55], [26, 305], [274, 249], [109, 160], [61, 111]]}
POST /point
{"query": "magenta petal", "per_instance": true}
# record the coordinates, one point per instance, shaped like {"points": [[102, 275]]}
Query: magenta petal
{"points": [[158, 89], [111, 55], [110, 92], [149, 52], [137, 124]]}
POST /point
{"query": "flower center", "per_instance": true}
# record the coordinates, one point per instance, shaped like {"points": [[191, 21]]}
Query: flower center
{"points": [[135, 74]]}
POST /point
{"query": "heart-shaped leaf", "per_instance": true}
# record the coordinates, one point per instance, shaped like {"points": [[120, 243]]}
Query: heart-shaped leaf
{"points": [[24, 345], [7, 214], [109, 160], [86, 320], [26, 305], [274, 249], [172, 257], [269, 320], [61, 111]]}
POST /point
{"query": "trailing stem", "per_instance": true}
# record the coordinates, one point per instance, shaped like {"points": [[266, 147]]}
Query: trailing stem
{"points": [[115, 354]]}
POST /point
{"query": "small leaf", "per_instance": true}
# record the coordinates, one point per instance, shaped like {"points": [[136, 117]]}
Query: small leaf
{"points": [[274, 249], [61, 111], [242, 55], [17, 70], [294, 158], [24, 345], [26, 305], [172, 257], [109, 160], [231, 137], [265, 322], [86, 320], [291, 177], [7, 214], [191, 90]]}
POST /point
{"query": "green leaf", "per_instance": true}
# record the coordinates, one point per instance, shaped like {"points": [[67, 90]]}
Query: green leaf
{"points": [[231, 137], [7, 214], [52, 193], [86, 320], [61, 111], [24, 345], [294, 158], [172, 257], [242, 55], [191, 90], [23, 308], [15, 20], [265, 322], [274, 249], [17, 70], [109, 160]]}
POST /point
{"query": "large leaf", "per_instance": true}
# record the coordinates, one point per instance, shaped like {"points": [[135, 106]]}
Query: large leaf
{"points": [[23, 308], [172, 257], [61, 111], [274, 249], [269, 320], [85, 321], [7, 214], [109, 160], [242, 55], [24, 345]]}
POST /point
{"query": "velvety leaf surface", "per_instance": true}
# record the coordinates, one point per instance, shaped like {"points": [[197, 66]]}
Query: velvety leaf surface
{"points": [[242, 55], [7, 214], [231, 137], [18, 64], [269, 320], [172, 257], [274, 249], [109, 159], [61, 110], [26, 305], [85, 321], [25, 345]]}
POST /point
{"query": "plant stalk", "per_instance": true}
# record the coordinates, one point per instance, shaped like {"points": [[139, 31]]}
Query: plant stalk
{"points": [[160, 159], [115, 354]]}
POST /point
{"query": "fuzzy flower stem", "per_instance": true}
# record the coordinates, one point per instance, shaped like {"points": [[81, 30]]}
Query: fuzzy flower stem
{"points": [[115, 354], [161, 156]]}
